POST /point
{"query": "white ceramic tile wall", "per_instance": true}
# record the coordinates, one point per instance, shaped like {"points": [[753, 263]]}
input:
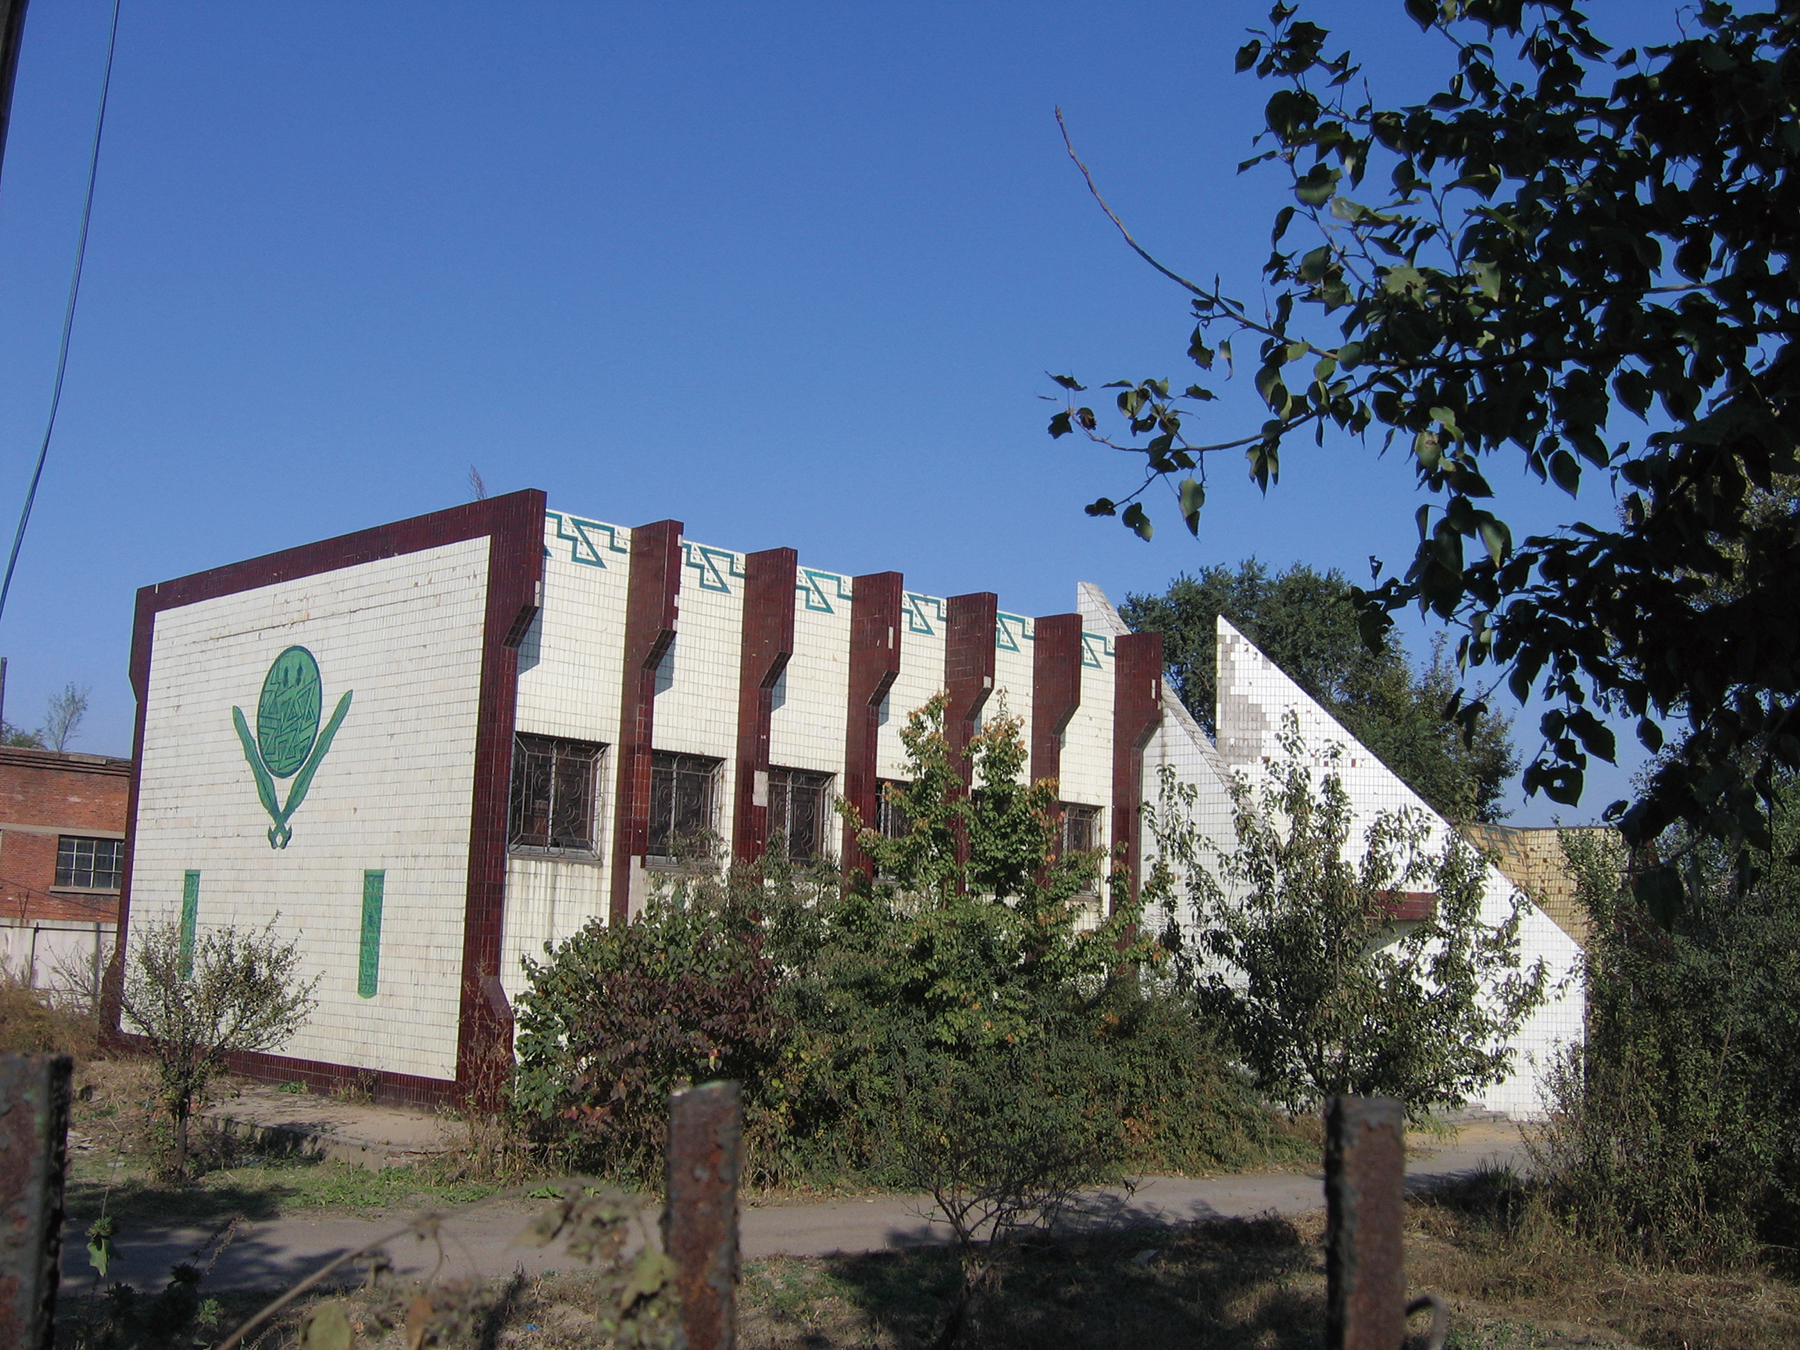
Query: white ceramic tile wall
{"points": [[393, 792], [697, 686], [921, 675], [812, 697], [1013, 671]]}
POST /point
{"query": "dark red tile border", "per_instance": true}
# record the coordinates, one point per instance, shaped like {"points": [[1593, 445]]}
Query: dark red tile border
{"points": [[515, 525], [763, 652], [968, 666], [651, 613], [875, 622], [1055, 689], [1410, 906], [1137, 712]]}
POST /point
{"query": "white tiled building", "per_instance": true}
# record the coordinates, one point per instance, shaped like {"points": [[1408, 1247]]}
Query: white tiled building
{"points": [[427, 749]]}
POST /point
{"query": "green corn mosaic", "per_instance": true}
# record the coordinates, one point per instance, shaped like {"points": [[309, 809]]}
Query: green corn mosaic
{"points": [[289, 742]]}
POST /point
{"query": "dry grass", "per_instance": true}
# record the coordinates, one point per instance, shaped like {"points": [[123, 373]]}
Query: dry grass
{"points": [[32, 1023], [1496, 1251]]}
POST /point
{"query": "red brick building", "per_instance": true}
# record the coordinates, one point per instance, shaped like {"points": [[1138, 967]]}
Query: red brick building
{"points": [[62, 857]]}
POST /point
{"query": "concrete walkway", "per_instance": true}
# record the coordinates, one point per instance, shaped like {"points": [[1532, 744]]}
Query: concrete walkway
{"points": [[489, 1239]]}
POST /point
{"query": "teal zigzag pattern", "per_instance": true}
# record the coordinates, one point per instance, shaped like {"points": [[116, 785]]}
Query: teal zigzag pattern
{"points": [[1094, 646], [1012, 629], [716, 566], [922, 612], [817, 589], [584, 538]]}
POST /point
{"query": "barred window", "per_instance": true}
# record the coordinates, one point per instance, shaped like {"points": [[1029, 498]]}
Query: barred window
{"points": [[90, 864], [682, 789], [800, 810], [1080, 827], [555, 784], [891, 817]]}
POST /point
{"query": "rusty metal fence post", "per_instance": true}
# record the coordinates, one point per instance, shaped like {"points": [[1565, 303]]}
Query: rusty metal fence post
{"points": [[700, 1225], [34, 1129], [1365, 1175]]}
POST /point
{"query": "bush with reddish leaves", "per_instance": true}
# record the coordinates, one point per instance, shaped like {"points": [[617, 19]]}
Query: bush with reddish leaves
{"points": [[617, 1018]]}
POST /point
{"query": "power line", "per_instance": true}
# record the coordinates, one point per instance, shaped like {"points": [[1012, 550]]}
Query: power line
{"points": [[62, 355]]}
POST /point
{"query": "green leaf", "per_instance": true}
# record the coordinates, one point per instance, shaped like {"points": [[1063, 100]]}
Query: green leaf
{"points": [[1316, 187], [1059, 425], [1565, 471], [652, 1271], [1660, 892], [1496, 536], [1068, 382], [1403, 280], [1422, 12], [1350, 355], [1487, 276], [1247, 55], [1193, 497], [327, 1327], [1136, 521], [1104, 507]]}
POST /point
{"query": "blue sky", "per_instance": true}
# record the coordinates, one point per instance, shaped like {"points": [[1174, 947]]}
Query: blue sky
{"points": [[789, 273]]}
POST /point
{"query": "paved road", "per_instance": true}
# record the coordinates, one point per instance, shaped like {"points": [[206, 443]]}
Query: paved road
{"points": [[486, 1240]]}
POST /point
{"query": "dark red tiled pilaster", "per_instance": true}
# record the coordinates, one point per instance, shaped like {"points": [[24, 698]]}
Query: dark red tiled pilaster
{"points": [[1055, 689], [650, 614], [968, 667], [767, 643], [875, 609], [1137, 712], [515, 570]]}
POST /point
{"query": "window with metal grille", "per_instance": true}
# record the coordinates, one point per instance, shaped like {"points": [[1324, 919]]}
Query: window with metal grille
{"points": [[682, 789], [891, 817], [800, 811], [90, 864], [555, 784], [1080, 827]]}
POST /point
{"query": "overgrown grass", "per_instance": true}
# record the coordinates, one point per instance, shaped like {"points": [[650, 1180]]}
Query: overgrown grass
{"points": [[1496, 1247], [33, 1023]]}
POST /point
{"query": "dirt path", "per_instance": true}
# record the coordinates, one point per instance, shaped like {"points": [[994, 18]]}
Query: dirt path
{"points": [[486, 1240]]}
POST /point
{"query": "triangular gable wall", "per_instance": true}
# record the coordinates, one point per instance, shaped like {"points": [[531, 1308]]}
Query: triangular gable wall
{"points": [[1254, 695]]}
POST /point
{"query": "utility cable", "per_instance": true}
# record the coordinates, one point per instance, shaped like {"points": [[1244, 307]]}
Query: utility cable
{"points": [[62, 355]]}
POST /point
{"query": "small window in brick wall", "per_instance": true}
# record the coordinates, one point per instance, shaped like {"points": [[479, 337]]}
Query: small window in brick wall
{"points": [[683, 789], [891, 818], [800, 811], [555, 786], [90, 864]]}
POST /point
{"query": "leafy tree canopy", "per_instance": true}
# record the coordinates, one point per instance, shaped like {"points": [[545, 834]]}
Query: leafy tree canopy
{"points": [[1564, 235], [1304, 621]]}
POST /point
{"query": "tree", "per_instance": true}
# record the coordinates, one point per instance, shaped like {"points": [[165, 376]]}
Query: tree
{"points": [[1304, 964], [1305, 623], [197, 1000], [20, 738], [62, 717], [1568, 239]]}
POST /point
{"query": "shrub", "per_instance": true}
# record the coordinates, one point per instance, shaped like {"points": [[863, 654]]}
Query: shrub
{"points": [[198, 1000], [1676, 1135], [617, 1018]]}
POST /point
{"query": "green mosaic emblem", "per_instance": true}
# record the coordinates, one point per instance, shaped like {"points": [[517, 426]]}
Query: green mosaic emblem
{"points": [[288, 742]]}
